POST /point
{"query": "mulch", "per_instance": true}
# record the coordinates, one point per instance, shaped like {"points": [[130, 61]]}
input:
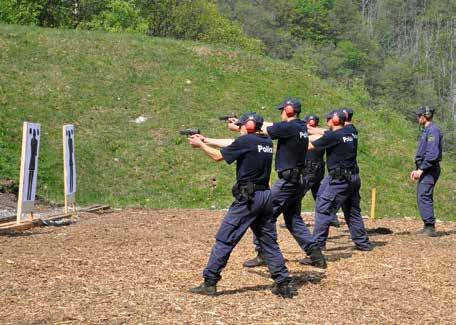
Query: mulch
{"points": [[135, 266]]}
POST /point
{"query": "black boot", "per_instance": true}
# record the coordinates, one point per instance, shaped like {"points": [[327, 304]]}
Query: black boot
{"points": [[428, 230], [257, 261], [207, 288], [316, 258], [284, 289], [365, 248]]}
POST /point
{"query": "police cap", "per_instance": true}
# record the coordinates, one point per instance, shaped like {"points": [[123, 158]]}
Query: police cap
{"points": [[316, 118], [251, 116], [339, 113], [348, 113], [296, 104], [427, 111]]}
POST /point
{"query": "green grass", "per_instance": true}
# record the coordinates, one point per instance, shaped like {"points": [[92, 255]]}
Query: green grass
{"points": [[101, 82]]}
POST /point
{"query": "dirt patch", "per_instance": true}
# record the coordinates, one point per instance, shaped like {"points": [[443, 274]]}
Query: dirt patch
{"points": [[8, 203], [8, 200], [135, 266]]}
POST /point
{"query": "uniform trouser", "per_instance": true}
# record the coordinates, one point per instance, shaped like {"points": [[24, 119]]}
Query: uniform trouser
{"points": [[286, 199], [313, 183], [425, 194], [340, 193], [258, 216]]}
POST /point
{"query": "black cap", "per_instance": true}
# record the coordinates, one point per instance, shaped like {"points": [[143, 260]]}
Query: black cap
{"points": [[427, 111], [339, 113], [296, 104], [251, 116], [316, 118], [329, 115], [348, 113]]}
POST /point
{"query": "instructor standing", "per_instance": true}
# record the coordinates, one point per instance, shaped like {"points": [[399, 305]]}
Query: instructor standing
{"points": [[427, 172]]}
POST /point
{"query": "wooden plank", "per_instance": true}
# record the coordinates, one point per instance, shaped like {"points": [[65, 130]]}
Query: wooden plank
{"points": [[373, 203], [7, 219], [21, 177], [65, 172], [96, 208], [9, 227]]}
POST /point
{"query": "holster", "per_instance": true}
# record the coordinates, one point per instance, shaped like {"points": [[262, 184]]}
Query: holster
{"points": [[313, 167], [245, 191], [342, 173], [293, 175]]}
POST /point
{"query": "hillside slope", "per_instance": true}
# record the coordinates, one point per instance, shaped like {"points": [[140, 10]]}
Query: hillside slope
{"points": [[102, 82]]}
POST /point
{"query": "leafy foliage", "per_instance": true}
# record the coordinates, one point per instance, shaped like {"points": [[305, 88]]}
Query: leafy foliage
{"points": [[118, 16]]}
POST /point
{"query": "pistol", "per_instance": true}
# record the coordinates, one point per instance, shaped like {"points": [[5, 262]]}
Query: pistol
{"points": [[228, 116], [189, 132]]}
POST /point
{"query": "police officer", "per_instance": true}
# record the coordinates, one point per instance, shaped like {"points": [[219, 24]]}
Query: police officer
{"points": [[341, 187], [427, 172], [315, 166], [288, 191], [252, 206]]}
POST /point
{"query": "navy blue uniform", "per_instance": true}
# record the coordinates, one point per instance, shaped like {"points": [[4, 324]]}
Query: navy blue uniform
{"points": [[288, 191], [253, 154], [428, 157], [340, 188], [351, 128], [315, 170]]}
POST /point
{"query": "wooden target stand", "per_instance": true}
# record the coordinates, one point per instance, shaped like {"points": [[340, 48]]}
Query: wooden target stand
{"points": [[27, 207], [68, 153]]}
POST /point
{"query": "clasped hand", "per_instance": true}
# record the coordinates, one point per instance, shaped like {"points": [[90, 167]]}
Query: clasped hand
{"points": [[416, 174], [196, 140]]}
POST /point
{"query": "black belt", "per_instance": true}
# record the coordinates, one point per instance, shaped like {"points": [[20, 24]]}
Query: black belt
{"points": [[419, 162], [313, 166], [293, 175], [340, 173], [246, 190]]}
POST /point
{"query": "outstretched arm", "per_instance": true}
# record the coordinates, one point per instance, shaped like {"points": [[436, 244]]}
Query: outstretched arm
{"points": [[265, 126], [313, 138], [316, 131], [216, 143], [213, 153]]}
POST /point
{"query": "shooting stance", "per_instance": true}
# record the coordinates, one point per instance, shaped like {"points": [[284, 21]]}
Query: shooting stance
{"points": [[341, 187], [252, 152], [315, 165], [289, 189], [427, 172]]}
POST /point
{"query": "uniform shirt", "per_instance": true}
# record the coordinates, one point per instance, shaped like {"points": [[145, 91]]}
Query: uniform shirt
{"points": [[253, 154], [340, 146], [429, 151], [354, 132], [292, 143], [315, 156]]}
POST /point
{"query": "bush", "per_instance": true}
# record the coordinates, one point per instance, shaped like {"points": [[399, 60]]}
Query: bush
{"points": [[119, 16]]}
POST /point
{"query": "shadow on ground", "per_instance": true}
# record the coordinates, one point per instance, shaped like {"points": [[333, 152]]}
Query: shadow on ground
{"points": [[299, 279]]}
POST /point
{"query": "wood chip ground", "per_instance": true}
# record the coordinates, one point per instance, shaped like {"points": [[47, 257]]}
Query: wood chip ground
{"points": [[135, 267]]}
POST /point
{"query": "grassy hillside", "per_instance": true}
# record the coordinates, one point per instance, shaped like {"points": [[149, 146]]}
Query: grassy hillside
{"points": [[103, 82]]}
